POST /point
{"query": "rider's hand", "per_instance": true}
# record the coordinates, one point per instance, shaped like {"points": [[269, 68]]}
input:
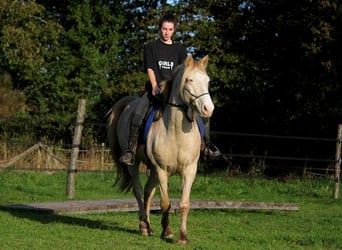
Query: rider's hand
{"points": [[155, 90]]}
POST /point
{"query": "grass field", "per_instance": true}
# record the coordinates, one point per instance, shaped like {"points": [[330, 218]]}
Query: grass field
{"points": [[317, 225]]}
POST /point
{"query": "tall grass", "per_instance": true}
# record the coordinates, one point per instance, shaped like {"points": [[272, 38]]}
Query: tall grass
{"points": [[317, 225]]}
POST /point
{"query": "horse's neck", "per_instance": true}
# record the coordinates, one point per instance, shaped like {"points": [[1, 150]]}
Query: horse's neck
{"points": [[176, 113], [176, 117]]}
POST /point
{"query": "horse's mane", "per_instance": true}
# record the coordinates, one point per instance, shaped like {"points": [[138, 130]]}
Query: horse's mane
{"points": [[181, 71], [166, 85]]}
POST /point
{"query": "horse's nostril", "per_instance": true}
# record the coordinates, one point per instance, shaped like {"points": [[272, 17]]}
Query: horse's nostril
{"points": [[207, 110]]}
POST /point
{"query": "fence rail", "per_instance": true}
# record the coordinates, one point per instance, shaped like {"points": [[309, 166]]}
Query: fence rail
{"points": [[96, 157], [56, 160], [40, 157]]}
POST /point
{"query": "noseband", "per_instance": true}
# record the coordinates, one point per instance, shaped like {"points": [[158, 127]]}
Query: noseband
{"points": [[184, 106], [196, 96]]}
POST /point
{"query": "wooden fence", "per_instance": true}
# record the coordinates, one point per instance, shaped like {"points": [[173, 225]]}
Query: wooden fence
{"points": [[97, 157]]}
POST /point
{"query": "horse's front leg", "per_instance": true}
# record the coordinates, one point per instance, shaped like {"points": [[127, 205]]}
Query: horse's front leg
{"points": [[184, 204], [165, 205]]}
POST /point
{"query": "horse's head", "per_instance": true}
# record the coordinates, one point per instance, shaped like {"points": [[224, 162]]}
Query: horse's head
{"points": [[195, 86]]}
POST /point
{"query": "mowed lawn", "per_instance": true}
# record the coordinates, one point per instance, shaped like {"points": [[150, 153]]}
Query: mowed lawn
{"points": [[317, 225]]}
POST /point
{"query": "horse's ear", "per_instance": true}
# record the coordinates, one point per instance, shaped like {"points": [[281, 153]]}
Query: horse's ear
{"points": [[204, 61], [189, 60]]}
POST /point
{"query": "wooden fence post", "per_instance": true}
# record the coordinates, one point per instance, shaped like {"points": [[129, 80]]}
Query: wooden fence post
{"points": [[102, 155], [338, 162], [39, 158], [75, 149], [5, 151]]}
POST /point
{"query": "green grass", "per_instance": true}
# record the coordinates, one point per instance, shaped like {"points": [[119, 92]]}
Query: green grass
{"points": [[317, 225]]}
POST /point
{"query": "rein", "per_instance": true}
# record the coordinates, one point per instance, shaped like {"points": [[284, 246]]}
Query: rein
{"points": [[174, 105], [184, 107]]}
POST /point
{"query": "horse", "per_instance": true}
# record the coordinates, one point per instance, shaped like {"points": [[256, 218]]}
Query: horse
{"points": [[172, 146]]}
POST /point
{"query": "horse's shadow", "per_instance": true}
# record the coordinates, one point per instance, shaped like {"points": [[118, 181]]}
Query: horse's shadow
{"points": [[49, 217]]}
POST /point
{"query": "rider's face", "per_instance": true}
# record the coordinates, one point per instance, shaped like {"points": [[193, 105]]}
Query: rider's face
{"points": [[167, 31]]}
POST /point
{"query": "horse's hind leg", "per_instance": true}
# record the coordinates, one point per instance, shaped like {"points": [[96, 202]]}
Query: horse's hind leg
{"points": [[149, 192], [138, 193]]}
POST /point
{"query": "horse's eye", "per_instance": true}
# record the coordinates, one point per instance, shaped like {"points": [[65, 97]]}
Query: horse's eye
{"points": [[190, 79]]}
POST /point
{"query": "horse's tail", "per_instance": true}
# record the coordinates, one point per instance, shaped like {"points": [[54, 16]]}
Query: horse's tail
{"points": [[122, 176]]}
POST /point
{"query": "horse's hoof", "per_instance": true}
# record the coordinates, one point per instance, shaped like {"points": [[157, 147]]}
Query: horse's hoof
{"points": [[145, 231], [182, 239], [145, 228], [168, 238], [167, 234], [183, 242]]}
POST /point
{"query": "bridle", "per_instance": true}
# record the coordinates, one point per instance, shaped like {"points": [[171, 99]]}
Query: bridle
{"points": [[184, 106], [196, 96]]}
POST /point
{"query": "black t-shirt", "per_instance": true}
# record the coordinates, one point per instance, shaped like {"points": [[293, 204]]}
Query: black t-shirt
{"points": [[163, 58]]}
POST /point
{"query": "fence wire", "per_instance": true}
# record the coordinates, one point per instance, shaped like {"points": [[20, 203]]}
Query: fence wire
{"points": [[230, 156]]}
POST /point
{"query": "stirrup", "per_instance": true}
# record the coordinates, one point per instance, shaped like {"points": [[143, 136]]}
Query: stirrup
{"points": [[212, 152], [127, 157]]}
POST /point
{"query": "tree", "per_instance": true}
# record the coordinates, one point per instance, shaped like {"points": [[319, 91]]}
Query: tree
{"points": [[274, 63], [292, 44], [271, 61], [12, 101], [25, 37]]}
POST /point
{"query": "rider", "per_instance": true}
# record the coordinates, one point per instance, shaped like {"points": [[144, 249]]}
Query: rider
{"points": [[161, 56]]}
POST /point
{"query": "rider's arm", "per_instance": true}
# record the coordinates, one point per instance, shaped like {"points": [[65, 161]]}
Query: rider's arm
{"points": [[153, 81]]}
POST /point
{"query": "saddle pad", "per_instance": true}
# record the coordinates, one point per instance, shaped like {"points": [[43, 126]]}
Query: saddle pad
{"points": [[149, 121]]}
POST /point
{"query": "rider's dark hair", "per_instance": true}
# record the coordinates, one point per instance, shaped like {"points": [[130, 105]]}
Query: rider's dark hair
{"points": [[168, 17]]}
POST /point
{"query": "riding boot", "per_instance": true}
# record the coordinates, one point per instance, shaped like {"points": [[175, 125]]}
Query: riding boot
{"points": [[128, 156], [209, 149]]}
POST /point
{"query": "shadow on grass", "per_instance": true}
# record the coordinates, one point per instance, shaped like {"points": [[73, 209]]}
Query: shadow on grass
{"points": [[47, 217]]}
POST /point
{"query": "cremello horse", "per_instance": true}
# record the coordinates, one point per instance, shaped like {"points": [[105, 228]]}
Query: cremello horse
{"points": [[172, 146]]}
